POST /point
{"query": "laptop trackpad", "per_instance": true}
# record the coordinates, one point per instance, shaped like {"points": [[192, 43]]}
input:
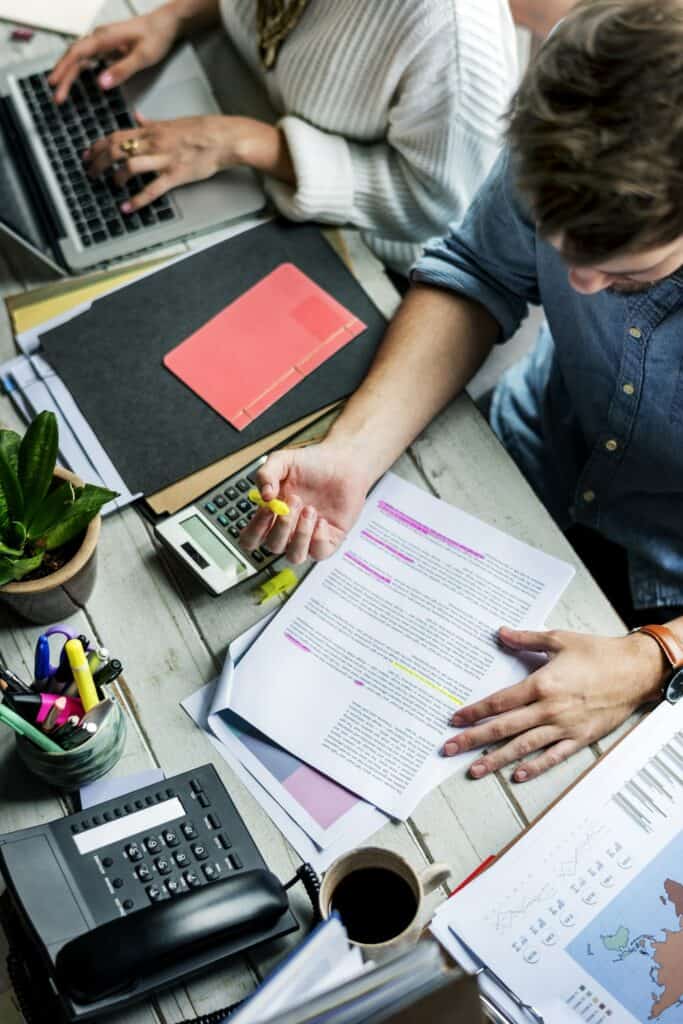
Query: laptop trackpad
{"points": [[178, 99]]}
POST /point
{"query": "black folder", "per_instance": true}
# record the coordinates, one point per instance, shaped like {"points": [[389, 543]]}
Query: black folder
{"points": [[154, 429]]}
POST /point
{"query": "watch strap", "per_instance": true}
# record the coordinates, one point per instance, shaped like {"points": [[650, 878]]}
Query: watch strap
{"points": [[669, 643]]}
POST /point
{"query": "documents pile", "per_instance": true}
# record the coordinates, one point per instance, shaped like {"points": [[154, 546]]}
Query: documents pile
{"points": [[326, 980], [374, 652], [582, 918]]}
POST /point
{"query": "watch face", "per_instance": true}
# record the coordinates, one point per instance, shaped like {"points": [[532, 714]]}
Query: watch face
{"points": [[674, 688]]}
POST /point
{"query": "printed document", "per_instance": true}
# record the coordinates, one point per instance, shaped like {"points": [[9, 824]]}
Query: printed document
{"points": [[583, 917], [363, 668]]}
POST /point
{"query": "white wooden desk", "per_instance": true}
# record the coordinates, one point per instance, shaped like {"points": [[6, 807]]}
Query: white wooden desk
{"points": [[172, 636]]}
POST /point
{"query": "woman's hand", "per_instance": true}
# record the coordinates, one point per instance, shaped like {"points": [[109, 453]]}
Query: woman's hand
{"points": [[588, 687], [187, 149], [138, 42], [325, 491]]}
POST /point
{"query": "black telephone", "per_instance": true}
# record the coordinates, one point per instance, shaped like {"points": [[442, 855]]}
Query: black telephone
{"points": [[141, 892]]}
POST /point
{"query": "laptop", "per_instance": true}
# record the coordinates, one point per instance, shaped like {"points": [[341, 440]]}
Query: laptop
{"points": [[48, 204]]}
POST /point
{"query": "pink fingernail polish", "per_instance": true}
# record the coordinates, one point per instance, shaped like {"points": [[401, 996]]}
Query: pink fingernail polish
{"points": [[477, 770], [86, 154], [126, 208], [106, 80], [521, 775]]}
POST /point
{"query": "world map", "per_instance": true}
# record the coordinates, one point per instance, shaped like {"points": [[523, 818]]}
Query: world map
{"points": [[634, 947]]}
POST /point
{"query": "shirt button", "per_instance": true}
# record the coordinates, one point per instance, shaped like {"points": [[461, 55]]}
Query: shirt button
{"points": [[635, 332], [588, 496], [611, 445], [629, 389]]}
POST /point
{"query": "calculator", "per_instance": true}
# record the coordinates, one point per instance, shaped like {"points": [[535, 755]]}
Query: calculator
{"points": [[151, 870], [205, 535]]}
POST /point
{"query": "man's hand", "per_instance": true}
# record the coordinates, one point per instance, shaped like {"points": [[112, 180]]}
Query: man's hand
{"points": [[325, 491], [588, 687], [138, 42]]}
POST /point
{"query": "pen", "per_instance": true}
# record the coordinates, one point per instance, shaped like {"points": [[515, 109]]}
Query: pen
{"points": [[11, 683], [62, 732], [82, 674], [58, 708], [277, 507], [108, 672], [80, 734], [41, 672], [24, 728]]}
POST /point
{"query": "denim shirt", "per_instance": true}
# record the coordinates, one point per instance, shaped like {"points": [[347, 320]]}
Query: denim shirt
{"points": [[594, 414]]}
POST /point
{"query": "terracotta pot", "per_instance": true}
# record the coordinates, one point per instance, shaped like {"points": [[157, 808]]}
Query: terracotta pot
{"points": [[64, 592]]}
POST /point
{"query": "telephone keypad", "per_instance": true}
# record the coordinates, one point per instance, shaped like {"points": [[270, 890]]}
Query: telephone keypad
{"points": [[176, 856]]}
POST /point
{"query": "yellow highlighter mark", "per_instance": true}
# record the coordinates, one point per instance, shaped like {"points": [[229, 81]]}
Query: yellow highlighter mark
{"points": [[428, 682], [277, 507]]}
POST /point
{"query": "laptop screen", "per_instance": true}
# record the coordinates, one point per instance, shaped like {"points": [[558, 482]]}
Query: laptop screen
{"points": [[16, 211]]}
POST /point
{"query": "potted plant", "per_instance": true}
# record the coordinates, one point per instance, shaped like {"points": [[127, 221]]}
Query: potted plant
{"points": [[49, 525]]}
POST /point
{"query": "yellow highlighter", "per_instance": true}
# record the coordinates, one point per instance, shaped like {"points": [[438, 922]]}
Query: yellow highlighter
{"points": [[82, 674], [277, 507]]}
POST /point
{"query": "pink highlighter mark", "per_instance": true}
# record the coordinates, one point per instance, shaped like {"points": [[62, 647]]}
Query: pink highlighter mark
{"points": [[325, 800], [297, 643], [366, 568], [382, 544], [358, 682], [401, 517]]}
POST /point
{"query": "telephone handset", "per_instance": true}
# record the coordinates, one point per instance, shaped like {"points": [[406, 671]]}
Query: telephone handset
{"points": [[141, 892]]}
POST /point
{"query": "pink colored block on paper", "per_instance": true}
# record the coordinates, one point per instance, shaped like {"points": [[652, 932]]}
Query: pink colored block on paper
{"points": [[325, 800]]}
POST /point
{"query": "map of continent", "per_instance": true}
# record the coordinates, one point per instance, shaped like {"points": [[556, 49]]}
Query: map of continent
{"points": [[634, 947]]}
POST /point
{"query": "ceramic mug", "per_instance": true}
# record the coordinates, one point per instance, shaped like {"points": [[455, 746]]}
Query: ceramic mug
{"points": [[380, 897]]}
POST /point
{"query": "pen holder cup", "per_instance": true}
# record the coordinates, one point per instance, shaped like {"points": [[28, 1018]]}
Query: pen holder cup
{"points": [[70, 769]]}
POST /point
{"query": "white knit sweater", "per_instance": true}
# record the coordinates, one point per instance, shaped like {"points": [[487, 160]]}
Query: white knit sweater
{"points": [[391, 109]]}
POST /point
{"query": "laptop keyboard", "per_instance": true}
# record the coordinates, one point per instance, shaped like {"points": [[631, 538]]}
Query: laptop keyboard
{"points": [[66, 131]]}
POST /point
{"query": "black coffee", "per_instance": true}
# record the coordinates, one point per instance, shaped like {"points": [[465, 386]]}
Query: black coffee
{"points": [[375, 904]]}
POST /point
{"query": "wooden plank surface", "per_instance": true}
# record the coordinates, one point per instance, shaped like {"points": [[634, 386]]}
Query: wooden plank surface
{"points": [[172, 638]]}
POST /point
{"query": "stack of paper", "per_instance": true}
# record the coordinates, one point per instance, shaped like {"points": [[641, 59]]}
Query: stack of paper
{"points": [[582, 919], [320, 819], [375, 651], [325, 980], [71, 17]]}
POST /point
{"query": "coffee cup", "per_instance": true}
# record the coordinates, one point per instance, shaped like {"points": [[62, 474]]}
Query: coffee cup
{"points": [[379, 898]]}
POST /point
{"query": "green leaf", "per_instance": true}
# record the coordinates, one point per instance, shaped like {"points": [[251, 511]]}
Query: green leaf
{"points": [[6, 550], [86, 506], [53, 508], [11, 497], [37, 458], [15, 569]]}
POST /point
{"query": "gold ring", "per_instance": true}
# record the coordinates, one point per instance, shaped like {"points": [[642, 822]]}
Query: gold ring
{"points": [[130, 147]]}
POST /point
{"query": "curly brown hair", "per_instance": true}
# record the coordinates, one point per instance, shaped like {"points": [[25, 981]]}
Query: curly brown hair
{"points": [[597, 129]]}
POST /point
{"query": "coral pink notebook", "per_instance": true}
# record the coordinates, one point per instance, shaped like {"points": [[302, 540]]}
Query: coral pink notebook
{"points": [[260, 346]]}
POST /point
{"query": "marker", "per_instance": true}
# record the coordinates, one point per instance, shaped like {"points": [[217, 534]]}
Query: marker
{"points": [[11, 683], [82, 674], [97, 658], [41, 671], [108, 672], [277, 507], [24, 728], [35, 707]]}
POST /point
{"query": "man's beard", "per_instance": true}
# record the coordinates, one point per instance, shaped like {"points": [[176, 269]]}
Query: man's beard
{"points": [[631, 288]]}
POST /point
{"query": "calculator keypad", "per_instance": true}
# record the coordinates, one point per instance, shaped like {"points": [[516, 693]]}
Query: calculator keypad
{"points": [[229, 509]]}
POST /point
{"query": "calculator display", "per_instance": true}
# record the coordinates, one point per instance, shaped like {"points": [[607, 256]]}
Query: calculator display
{"points": [[210, 544]]}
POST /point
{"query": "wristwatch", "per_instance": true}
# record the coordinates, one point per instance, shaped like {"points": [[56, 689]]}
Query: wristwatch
{"points": [[673, 652]]}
